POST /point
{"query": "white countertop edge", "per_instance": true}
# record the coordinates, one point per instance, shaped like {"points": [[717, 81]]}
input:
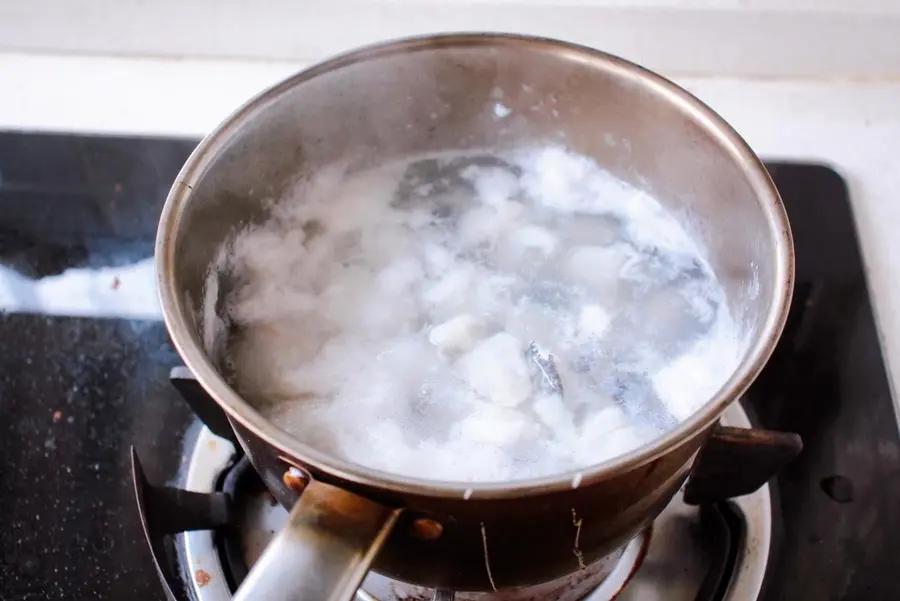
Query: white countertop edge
{"points": [[852, 126], [740, 37]]}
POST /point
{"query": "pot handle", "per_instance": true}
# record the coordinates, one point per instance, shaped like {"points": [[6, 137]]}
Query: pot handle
{"points": [[738, 461], [324, 550]]}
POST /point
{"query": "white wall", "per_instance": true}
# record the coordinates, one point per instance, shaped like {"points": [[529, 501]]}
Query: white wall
{"points": [[815, 38]]}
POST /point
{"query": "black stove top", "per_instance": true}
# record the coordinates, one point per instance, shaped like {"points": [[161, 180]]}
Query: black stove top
{"points": [[77, 392]]}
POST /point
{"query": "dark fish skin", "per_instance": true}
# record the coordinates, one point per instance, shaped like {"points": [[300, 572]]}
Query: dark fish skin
{"points": [[550, 380]]}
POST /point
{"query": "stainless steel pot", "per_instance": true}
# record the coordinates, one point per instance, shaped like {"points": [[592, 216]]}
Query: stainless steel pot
{"points": [[403, 98]]}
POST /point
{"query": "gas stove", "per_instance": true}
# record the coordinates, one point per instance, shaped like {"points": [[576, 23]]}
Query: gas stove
{"points": [[716, 551], [87, 373]]}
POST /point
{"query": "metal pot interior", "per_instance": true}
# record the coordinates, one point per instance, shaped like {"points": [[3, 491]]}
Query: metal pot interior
{"points": [[400, 100]]}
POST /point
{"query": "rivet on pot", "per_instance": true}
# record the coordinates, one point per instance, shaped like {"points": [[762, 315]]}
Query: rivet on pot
{"points": [[427, 529], [294, 479]]}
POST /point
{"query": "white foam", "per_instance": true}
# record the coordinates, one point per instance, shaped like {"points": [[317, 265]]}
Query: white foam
{"points": [[394, 330], [126, 291]]}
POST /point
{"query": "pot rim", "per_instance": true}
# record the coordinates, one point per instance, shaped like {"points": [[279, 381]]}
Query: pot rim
{"points": [[189, 347]]}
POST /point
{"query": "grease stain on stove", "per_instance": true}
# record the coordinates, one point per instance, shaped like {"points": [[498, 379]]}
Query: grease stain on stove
{"points": [[202, 578]]}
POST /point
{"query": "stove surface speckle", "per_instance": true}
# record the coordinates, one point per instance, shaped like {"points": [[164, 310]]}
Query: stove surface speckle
{"points": [[74, 394]]}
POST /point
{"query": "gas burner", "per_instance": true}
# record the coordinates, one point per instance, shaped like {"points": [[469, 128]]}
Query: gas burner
{"points": [[716, 551]]}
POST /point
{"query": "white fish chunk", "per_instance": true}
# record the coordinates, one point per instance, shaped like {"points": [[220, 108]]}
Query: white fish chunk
{"points": [[497, 370]]}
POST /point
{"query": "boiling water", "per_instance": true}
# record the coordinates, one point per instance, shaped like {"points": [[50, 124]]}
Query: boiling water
{"points": [[472, 317]]}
